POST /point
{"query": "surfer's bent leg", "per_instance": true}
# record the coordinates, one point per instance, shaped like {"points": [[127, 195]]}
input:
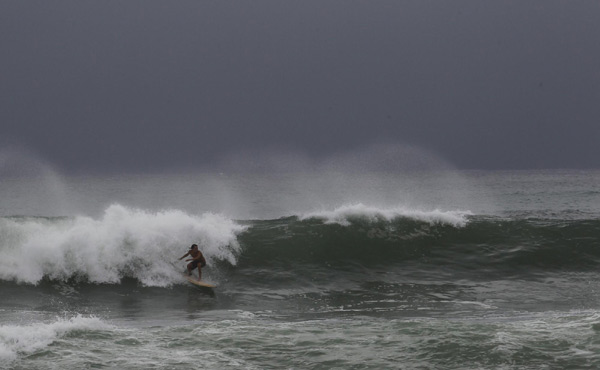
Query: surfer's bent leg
{"points": [[191, 266], [200, 266]]}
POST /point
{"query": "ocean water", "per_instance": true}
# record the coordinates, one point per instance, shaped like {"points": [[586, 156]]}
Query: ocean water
{"points": [[350, 270]]}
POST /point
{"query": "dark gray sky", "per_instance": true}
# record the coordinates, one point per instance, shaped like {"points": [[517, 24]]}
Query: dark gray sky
{"points": [[144, 85]]}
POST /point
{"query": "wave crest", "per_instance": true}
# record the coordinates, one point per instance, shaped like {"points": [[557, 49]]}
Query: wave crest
{"points": [[124, 242], [343, 215]]}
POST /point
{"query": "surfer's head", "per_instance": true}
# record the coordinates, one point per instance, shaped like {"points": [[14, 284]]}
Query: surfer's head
{"points": [[194, 246]]}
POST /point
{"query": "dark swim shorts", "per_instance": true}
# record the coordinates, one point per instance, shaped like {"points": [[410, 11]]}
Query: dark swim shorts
{"points": [[195, 264]]}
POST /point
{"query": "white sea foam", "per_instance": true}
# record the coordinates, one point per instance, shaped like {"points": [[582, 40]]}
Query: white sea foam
{"points": [[344, 214], [19, 339], [123, 242]]}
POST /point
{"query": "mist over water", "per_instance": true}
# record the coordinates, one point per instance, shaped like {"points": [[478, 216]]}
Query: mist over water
{"points": [[270, 184], [379, 176], [31, 186]]}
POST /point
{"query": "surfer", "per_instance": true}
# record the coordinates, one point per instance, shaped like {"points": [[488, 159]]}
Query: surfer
{"points": [[197, 260]]}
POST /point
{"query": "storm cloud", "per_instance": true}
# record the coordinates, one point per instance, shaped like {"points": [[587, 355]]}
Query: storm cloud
{"points": [[152, 85]]}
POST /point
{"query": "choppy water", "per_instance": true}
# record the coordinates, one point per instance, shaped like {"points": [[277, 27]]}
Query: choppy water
{"points": [[460, 270]]}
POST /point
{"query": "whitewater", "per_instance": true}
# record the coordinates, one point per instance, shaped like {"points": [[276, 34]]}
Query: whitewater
{"points": [[121, 243], [418, 269]]}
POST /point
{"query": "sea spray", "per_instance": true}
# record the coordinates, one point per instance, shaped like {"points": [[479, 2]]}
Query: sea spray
{"points": [[124, 242], [381, 175]]}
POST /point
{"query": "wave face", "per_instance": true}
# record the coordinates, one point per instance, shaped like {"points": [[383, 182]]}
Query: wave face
{"points": [[453, 240]]}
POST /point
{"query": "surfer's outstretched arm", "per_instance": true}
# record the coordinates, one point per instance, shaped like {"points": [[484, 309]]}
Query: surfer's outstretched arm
{"points": [[189, 272]]}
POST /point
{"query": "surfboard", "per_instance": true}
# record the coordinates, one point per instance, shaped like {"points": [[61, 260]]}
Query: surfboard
{"points": [[200, 283]]}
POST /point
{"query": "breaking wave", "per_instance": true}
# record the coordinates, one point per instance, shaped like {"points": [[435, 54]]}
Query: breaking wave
{"points": [[124, 242], [23, 339]]}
